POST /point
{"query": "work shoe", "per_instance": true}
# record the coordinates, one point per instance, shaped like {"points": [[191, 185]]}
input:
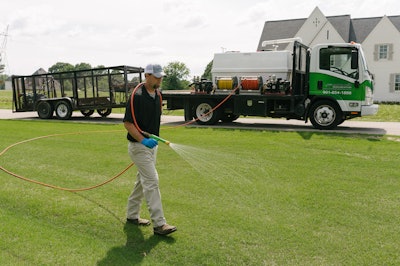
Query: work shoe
{"points": [[139, 221], [164, 229]]}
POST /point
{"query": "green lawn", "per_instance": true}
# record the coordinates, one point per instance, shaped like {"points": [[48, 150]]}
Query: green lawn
{"points": [[238, 197], [6, 99]]}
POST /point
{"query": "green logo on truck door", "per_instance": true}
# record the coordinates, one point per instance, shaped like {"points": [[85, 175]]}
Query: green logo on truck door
{"points": [[340, 89]]}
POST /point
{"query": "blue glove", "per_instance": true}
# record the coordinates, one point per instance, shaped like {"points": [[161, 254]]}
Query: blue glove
{"points": [[149, 143]]}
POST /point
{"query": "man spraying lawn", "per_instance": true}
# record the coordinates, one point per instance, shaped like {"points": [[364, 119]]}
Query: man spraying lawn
{"points": [[142, 115]]}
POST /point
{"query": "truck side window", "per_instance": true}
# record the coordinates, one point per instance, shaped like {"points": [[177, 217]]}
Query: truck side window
{"points": [[338, 60]]}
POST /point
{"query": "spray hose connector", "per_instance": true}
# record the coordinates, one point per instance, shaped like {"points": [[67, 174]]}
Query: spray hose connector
{"points": [[148, 135]]}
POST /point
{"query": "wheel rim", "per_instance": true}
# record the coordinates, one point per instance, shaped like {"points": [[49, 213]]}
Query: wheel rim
{"points": [[204, 112], [325, 115], [62, 110]]}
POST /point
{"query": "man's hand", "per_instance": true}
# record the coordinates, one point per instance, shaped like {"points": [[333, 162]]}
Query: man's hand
{"points": [[149, 143]]}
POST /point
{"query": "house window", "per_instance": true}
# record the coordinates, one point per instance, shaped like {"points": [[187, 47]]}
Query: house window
{"points": [[383, 51], [394, 83], [397, 82]]}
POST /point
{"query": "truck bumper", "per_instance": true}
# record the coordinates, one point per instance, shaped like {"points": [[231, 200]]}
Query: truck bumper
{"points": [[369, 109]]}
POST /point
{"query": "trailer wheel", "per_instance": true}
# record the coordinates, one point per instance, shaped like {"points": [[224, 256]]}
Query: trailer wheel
{"points": [[87, 113], [325, 115], [205, 115], [63, 110], [45, 110], [104, 112]]}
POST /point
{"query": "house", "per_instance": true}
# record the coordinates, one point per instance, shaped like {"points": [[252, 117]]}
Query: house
{"points": [[379, 36]]}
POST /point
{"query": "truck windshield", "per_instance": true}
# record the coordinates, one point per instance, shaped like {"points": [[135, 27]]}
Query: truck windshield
{"points": [[338, 60]]}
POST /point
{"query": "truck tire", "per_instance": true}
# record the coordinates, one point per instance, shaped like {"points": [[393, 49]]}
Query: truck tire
{"points": [[325, 115], [87, 113], [205, 115], [45, 110], [104, 112], [63, 110]]}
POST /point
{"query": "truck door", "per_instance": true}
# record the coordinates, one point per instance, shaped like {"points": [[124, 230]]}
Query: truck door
{"points": [[337, 76]]}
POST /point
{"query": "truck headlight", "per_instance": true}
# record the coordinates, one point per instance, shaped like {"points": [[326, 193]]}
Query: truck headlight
{"points": [[369, 99]]}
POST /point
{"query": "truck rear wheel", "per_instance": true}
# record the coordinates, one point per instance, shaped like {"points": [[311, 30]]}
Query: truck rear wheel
{"points": [[44, 110], [325, 115], [63, 110], [104, 112], [205, 115]]}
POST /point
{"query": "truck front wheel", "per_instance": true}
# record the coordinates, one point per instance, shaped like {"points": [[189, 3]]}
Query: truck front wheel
{"points": [[205, 115], [325, 115]]}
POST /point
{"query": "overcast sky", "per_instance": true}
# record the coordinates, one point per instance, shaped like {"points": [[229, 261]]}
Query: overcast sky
{"points": [[135, 33]]}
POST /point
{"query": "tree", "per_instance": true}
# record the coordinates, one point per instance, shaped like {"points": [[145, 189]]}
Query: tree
{"points": [[3, 78], [82, 66], [60, 67], [207, 71], [176, 75]]}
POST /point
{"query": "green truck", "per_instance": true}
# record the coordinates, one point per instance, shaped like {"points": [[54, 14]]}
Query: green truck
{"points": [[328, 84]]}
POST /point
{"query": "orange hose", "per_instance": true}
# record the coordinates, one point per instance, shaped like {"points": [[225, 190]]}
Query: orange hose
{"points": [[53, 186]]}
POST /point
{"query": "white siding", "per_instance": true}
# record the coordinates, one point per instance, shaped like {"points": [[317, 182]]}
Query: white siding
{"points": [[384, 33], [317, 29]]}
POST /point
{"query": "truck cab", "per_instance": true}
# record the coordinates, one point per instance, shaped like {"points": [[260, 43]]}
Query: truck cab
{"points": [[340, 84]]}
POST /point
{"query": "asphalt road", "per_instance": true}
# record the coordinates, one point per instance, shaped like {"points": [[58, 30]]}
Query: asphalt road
{"points": [[349, 127]]}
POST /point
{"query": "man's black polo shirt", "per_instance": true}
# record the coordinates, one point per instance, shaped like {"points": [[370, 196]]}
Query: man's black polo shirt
{"points": [[147, 110]]}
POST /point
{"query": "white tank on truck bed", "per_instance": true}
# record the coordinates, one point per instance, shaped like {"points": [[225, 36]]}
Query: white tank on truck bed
{"points": [[263, 63]]}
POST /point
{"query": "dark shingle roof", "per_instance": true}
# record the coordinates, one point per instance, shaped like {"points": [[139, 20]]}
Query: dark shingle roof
{"points": [[349, 29], [281, 29], [342, 25], [396, 21], [362, 28]]}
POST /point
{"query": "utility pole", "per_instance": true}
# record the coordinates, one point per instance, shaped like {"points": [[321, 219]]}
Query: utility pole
{"points": [[4, 35]]}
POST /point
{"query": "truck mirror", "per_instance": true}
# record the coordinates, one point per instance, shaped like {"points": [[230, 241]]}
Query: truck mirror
{"points": [[354, 59]]}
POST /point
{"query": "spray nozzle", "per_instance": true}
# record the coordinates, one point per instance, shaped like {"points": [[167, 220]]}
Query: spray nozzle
{"points": [[148, 135]]}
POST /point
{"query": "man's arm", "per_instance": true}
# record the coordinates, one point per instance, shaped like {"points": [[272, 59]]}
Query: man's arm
{"points": [[133, 131]]}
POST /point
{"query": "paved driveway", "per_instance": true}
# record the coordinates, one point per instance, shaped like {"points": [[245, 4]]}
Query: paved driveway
{"points": [[351, 127]]}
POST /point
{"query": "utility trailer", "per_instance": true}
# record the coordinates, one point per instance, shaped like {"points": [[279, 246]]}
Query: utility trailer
{"points": [[327, 84], [87, 90]]}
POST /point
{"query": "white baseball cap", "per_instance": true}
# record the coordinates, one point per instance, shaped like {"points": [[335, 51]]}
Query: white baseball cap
{"points": [[154, 69]]}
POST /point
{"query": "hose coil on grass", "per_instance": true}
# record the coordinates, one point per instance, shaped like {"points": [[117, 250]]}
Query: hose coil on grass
{"points": [[53, 186]]}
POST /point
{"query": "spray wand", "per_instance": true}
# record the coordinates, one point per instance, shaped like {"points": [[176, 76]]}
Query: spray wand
{"points": [[148, 135]]}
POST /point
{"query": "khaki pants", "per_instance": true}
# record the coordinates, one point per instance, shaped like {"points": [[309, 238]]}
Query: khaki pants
{"points": [[146, 184]]}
